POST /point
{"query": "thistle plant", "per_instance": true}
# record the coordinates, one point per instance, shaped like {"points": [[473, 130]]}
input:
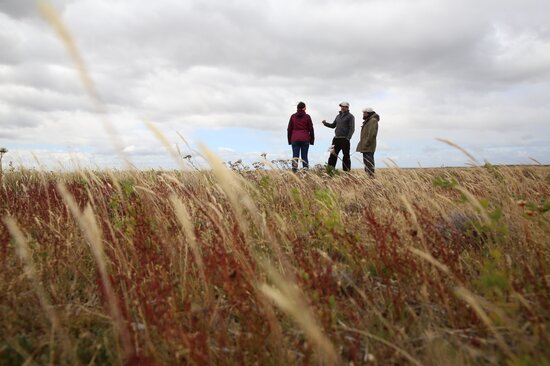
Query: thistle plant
{"points": [[3, 150]]}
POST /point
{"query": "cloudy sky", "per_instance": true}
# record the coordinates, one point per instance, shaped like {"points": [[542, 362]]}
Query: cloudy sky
{"points": [[229, 73]]}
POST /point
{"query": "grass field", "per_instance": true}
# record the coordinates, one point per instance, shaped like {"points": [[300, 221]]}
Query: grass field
{"points": [[416, 266]]}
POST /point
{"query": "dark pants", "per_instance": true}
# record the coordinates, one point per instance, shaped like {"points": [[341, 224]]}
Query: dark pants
{"points": [[300, 148], [340, 144], [368, 160]]}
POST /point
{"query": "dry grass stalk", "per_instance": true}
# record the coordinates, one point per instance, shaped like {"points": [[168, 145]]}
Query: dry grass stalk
{"points": [[471, 300], [460, 148], [25, 254], [52, 17], [401, 351], [289, 299], [183, 217], [88, 225], [167, 145]]}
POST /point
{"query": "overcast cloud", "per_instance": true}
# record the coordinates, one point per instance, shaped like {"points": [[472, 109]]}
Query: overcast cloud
{"points": [[229, 74]]}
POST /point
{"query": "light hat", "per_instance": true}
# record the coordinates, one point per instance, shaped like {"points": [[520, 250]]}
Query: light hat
{"points": [[368, 110], [344, 104]]}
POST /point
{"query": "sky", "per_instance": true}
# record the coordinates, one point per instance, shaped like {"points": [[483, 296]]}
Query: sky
{"points": [[228, 74]]}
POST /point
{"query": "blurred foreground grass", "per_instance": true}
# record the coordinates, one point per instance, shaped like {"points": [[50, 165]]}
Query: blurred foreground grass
{"points": [[417, 266]]}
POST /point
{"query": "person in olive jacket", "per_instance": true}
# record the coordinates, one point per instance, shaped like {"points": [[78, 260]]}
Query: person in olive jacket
{"points": [[367, 143], [300, 135], [344, 125]]}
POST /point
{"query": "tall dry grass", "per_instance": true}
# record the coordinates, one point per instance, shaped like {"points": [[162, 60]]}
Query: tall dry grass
{"points": [[423, 267], [417, 266]]}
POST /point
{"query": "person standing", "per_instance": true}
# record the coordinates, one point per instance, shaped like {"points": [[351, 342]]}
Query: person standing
{"points": [[344, 125], [300, 135], [367, 142]]}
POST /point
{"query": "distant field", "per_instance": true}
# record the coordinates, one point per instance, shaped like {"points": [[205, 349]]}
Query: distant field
{"points": [[446, 266]]}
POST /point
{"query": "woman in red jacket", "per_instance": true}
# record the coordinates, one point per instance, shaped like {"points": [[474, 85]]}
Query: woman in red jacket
{"points": [[300, 136]]}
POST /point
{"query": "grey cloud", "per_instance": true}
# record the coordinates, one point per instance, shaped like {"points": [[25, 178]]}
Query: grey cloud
{"points": [[57, 78], [13, 119], [26, 9], [33, 99], [419, 39], [29, 40], [6, 135], [17, 8]]}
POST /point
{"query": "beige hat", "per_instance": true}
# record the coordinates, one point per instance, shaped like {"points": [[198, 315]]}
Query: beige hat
{"points": [[368, 110], [344, 104]]}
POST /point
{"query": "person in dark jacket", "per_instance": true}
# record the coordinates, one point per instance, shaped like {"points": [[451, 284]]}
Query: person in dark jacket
{"points": [[367, 143], [344, 125], [300, 135]]}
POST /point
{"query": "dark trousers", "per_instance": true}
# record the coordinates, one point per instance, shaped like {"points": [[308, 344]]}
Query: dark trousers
{"points": [[299, 149], [340, 144], [368, 160]]}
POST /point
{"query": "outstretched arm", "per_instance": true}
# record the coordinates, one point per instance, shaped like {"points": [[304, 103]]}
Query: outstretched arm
{"points": [[330, 125]]}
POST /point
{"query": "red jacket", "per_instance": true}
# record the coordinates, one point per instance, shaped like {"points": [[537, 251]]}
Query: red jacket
{"points": [[300, 128]]}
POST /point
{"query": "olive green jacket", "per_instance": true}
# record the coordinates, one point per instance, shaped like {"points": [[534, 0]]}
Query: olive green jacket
{"points": [[369, 130]]}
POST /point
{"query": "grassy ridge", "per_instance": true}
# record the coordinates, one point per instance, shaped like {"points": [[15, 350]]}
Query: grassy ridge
{"points": [[427, 266]]}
